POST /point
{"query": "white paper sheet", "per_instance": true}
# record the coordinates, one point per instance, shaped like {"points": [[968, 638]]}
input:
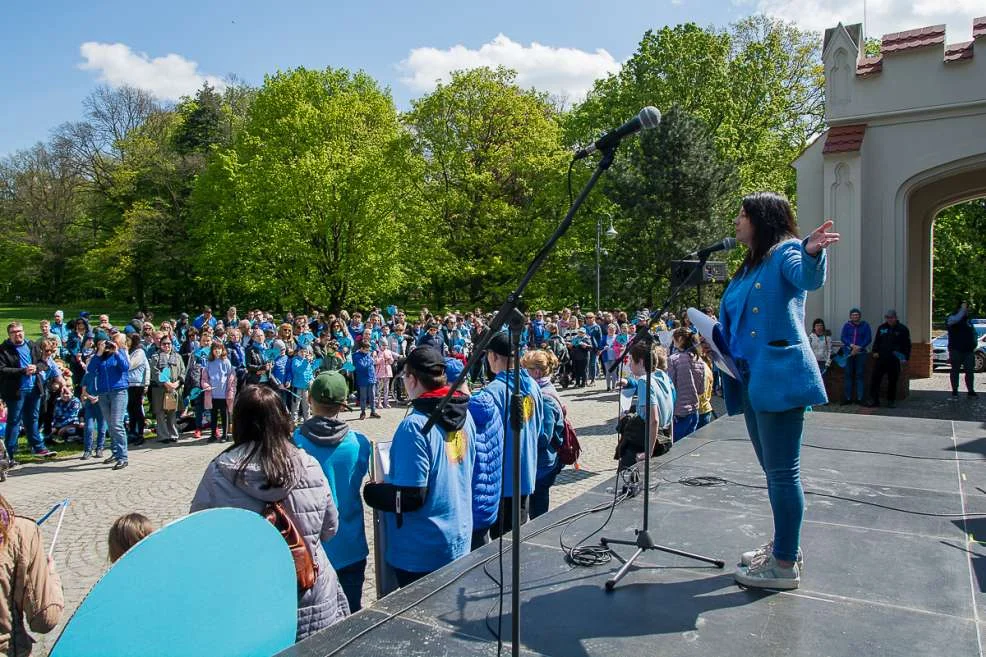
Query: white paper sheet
{"points": [[711, 330]]}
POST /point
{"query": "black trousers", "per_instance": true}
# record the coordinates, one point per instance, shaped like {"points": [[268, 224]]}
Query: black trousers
{"points": [[135, 410], [506, 515], [220, 411], [889, 366]]}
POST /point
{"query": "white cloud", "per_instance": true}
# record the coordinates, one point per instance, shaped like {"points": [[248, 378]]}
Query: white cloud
{"points": [[168, 77], [882, 16], [567, 72]]}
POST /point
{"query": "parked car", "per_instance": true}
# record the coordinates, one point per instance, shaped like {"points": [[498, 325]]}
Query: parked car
{"points": [[939, 347]]}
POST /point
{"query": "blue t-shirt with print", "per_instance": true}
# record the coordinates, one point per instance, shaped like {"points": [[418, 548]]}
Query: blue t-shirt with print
{"points": [[440, 531], [529, 432]]}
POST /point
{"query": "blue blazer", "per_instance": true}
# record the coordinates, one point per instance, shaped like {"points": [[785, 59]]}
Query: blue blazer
{"points": [[769, 333]]}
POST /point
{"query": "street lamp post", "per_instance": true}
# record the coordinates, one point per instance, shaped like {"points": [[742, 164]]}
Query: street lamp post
{"points": [[610, 232]]}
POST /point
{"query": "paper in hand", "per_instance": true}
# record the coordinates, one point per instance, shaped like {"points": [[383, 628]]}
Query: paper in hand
{"points": [[711, 330]]}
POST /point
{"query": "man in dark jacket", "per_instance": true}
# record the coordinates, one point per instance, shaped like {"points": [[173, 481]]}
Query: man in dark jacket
{"points": [[23, 367], [431, 338], [891, 350], [961, 349]]}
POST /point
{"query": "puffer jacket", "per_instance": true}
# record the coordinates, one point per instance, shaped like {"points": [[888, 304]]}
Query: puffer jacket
{"points": [[487, 478], [309, 503], [29, 593]]}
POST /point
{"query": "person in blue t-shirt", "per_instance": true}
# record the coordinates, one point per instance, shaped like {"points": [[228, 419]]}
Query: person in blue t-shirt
{"points": [[498, 357], [344, 455], [427, 495], [662, 397]]}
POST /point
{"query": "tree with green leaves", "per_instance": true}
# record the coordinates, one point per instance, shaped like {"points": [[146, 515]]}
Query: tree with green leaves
{"points": [[316, 203], [494, 163], [674, 192], [959, 249]]}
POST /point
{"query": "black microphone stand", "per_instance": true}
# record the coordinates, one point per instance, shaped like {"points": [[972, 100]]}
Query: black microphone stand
{"points": [[644, 541], [511, 315]]}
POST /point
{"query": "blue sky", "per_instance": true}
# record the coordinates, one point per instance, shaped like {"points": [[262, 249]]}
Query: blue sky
{"points": [[54, 53]]}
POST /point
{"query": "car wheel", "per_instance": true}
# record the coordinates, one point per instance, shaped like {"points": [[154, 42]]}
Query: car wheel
{"points": [[980, 361]]}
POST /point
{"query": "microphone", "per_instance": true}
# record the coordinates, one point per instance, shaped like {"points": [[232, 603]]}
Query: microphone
{"points": [[647, 118], [725, 244]]}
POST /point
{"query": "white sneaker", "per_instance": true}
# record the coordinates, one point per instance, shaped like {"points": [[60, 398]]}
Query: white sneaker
{"points": [[765, 573], [768, 548]]}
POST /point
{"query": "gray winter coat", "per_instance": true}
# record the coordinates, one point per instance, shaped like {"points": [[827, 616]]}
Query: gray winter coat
{"points": [[309, 503]]}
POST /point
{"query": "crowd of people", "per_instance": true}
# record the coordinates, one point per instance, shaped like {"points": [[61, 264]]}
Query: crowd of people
{"points": [[96, 383], [278, 391]]}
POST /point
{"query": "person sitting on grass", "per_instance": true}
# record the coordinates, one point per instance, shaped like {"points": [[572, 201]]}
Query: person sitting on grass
{"points": [[65, 421]]}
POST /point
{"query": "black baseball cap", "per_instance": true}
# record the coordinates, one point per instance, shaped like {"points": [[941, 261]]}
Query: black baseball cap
{"points": [[426, 360], [499, 344]]}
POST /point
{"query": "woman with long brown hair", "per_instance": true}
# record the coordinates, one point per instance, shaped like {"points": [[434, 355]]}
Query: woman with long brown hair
{"points": [[763, 317], [30, 590], [263, 467]]}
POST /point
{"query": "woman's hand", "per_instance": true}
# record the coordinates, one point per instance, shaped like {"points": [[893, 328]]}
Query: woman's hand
{"points": [[820, 238]]}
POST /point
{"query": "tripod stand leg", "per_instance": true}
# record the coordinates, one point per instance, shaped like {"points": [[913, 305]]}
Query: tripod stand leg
{"points": [[718, 563], [611, 583]]}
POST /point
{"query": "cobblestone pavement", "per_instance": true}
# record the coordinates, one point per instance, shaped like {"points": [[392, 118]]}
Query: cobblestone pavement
{"points": [[161, 479]]}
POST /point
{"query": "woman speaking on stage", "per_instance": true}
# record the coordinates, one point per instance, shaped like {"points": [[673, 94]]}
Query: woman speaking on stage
{"points": [[763, 315]]}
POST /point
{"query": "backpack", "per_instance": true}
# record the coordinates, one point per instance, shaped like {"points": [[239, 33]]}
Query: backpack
{"points": [[570, 449]]}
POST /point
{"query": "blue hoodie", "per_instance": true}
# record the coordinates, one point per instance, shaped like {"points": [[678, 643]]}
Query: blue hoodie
{"points": [[345, 459], [111, 371], [365, 371]]}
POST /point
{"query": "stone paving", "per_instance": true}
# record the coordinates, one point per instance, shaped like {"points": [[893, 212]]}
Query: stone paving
{"points": [[161, 479]]}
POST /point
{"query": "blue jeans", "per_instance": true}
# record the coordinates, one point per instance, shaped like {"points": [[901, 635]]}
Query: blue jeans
{"points": [[855, 366], [705, 418], [351, 580], [24, 411], [684, 425], [539, 500], [368, 397], [776, 439], [113, 405], [593, 364], [95, 423]]}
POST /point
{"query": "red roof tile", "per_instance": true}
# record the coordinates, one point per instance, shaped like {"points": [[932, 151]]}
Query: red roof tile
{"points": [[869, 66], [919, 38], [958, 51], [844, 138], [979, 27]]}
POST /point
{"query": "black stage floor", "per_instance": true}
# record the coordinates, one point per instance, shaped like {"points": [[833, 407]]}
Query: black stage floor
{"points": [[877, 581]]}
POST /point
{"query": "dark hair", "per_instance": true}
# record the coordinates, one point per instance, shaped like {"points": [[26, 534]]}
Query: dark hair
{"points": [[429, 381], [773, 222], [818, 320], [134, 340], [261, 420], [691, 340], [640, 352]]}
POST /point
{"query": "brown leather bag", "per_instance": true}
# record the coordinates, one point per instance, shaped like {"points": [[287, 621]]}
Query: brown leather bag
{"points": [[305, 566]]}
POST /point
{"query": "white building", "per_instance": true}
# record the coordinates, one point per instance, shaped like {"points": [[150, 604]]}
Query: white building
{"points": [[907, 139]]}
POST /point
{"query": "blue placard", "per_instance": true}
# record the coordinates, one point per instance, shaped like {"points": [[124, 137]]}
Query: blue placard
{"points": [[165, 375], [202, 597]]}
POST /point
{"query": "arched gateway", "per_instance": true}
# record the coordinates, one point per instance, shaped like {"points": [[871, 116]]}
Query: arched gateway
{"points": [[907, 138]]}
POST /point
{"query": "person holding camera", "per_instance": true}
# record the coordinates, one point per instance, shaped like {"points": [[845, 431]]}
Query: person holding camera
{"points": [[112, 368]]}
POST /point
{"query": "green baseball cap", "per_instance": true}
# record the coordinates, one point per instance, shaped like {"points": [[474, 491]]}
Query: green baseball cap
{"points": [[330, 388]]}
